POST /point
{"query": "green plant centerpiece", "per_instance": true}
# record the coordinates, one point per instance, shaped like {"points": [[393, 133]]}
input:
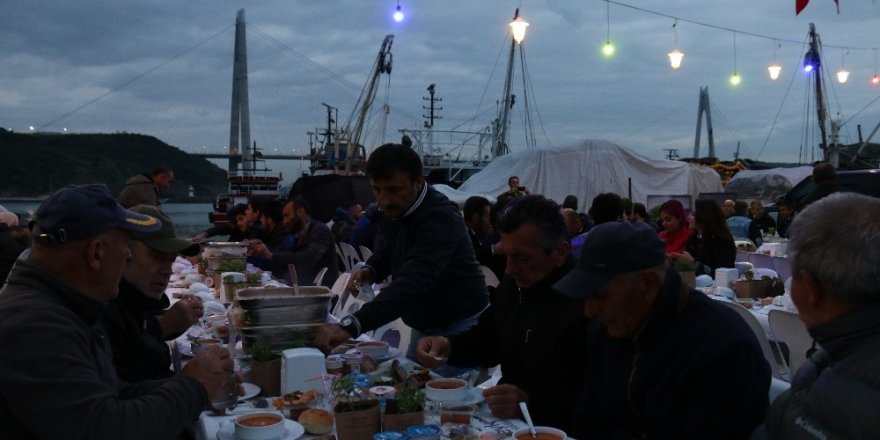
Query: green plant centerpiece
{"points": [[265, 367], [406, 409], [687, 270], [356, 412]]}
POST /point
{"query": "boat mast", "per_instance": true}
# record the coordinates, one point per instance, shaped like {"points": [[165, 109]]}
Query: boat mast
{"points": [[813, 55], [502, 123]]}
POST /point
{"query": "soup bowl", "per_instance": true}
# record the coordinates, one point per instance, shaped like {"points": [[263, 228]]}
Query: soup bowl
{"points": [[259, 426], [446, 390], [542, 433]]}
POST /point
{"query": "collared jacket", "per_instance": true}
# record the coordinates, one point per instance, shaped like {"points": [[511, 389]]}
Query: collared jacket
{"points": [[139, 190], [836, 393], [57, 379], [435, 277], [139, 349], [313, 249], [693, 371], [537, 335]]}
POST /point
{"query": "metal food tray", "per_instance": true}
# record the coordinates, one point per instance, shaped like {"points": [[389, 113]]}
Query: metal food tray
{"points": [[279, 306], [281, 337]]}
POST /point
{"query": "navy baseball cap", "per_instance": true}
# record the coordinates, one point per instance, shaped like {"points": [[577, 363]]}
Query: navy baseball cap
{"points": [[610, 249], [78, 212]]}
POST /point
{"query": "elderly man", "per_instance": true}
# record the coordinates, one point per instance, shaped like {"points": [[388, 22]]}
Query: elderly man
{"points": [[728, 208], [137, 321], [56, 372], [311, 249], [834, 260], [527, 322], [760, 217], [436, 286], [144, 189], [665, 361]]}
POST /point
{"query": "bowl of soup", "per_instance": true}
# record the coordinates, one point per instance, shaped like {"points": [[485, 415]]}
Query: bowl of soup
{"points": [[446, 390], [259, 426], [541, 433], [198, 345]]}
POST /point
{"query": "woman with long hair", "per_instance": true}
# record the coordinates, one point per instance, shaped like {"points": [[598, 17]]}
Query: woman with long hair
{"points": [[676, 229], [711, 243]]}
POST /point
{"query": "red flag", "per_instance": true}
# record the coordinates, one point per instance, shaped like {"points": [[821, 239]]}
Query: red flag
{"points": [[799, 5]]}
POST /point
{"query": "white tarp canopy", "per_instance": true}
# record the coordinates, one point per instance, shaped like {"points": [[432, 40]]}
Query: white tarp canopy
{"points": [[766, 185], [586, 170]]}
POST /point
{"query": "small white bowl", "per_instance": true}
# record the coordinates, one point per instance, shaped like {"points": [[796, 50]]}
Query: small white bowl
{"points": [[373, 349], [200, 344], [525, 434], [446, 390], [259, 426]]}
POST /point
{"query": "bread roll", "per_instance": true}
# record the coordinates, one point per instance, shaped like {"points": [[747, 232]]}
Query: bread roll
{"points": [[316, 421]]}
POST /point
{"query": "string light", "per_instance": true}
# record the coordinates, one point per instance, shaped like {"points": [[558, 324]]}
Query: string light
{"points": [[875, 80], [775, 69], [608, 48], [398, 13], [676, 55], [843, 74], [518, 27], [734, 79]]}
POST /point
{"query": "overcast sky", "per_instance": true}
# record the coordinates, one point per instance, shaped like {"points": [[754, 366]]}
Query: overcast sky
{"points": [[169, 67]]}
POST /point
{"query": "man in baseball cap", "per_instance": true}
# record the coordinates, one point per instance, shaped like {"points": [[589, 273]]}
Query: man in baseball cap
{"points": [[55, 356], [139, 320], [664, 361]]}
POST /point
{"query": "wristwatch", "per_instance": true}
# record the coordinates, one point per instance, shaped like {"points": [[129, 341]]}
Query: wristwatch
{"points": [[350, 324]]}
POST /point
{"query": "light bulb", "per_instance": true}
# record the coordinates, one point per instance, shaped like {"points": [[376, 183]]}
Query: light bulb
{"points": [[774, 70], [875, 79], [675, 58], [518, 27], [608, 48], [842, 75], [398, 14], [735, 79]]}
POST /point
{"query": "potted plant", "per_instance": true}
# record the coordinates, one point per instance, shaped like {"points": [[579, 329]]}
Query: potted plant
{"points": [[231, 287], [405, 410], [357, 415], [687, 270], [265, 368], [749, 287]]}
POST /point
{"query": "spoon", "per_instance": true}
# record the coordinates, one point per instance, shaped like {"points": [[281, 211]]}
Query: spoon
{"points": [[528, 417]]}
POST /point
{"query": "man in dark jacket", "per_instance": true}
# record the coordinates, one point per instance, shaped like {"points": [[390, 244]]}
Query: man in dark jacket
{"points": [[665, 360], [311, 250], [530, 329], [138, 321], [56, 373], [437, 286], [825, 181], [834, 260], [144, 189]]}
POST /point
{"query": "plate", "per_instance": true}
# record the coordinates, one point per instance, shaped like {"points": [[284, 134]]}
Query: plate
{"points": [[292, 431], [393, 352], [250, 390]]}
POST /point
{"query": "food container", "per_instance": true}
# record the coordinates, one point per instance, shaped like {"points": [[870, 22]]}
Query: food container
{"points": [[353, 362], [224, 249], [389, 435], [281, 337], [446, 390], [200, 344], [266, 306], [374, 349], [457, 413], [259, 426], [543, 433], [335, 364]]}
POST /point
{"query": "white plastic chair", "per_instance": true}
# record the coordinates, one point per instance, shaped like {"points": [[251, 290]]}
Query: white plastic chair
{"points": [[489, 276], [350, 256], [782, 266], [742, 256], [319, 278], [787, 327], [760, 335], [395, 333], [342, 260], [366, 253], [340, 289]]}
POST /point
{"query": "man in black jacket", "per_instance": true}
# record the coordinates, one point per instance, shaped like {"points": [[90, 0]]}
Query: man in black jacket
{"points": [[138, 321], [56, 373], [437, 286], [834, 260], [534, 332], [665, 360]]}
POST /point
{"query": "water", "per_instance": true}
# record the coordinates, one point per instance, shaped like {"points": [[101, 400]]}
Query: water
{"points": [[189, 218]]}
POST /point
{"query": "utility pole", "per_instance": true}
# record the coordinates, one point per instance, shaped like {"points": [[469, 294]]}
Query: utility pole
{"points": [[430, 117], [671, 153]]}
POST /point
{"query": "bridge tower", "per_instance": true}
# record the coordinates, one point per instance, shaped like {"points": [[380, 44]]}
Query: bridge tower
{"points": [[240, 122]]}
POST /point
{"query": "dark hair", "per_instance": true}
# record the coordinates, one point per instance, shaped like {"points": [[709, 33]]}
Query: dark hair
{"points": [[606, 207], [676, 209], [571, 201], [539, 211], [235, 211], [510, 179], [823, 171], [474, 205], [161, 169], [299, 202], [272, 210], [740, 207], [391, 158], [640, 210], [710, 219], [785, 202]]}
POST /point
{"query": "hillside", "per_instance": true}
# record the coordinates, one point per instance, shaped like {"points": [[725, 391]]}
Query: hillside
{"points": [[34, 164]]}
